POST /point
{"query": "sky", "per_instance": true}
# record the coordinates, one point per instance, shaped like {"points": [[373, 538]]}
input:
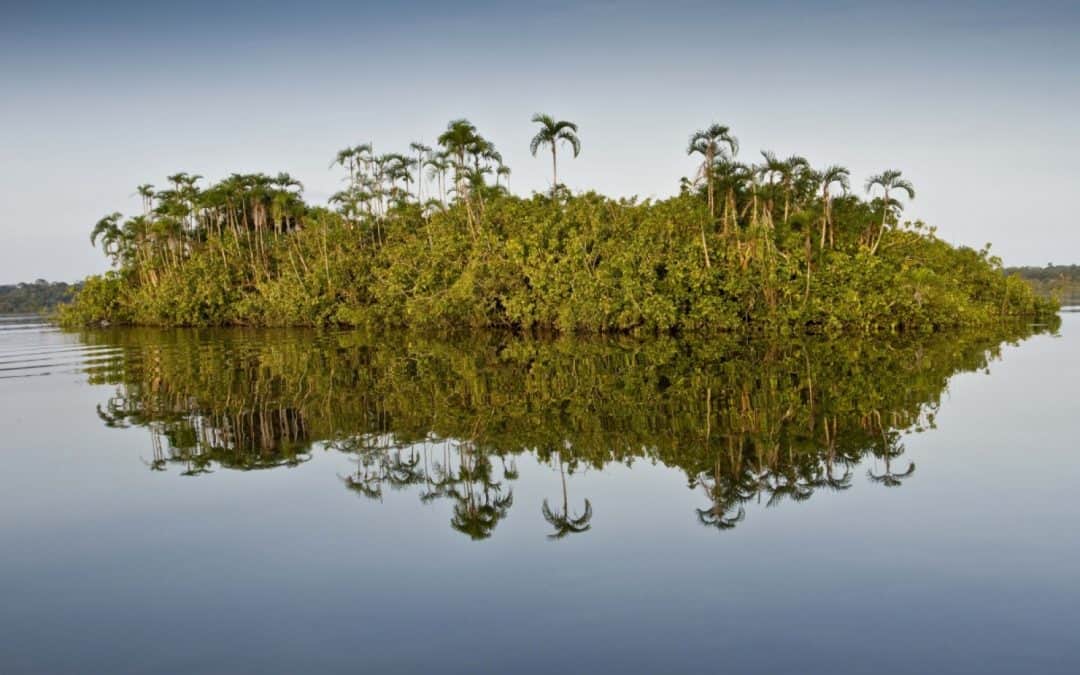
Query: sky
{"points": [[976, 102]]}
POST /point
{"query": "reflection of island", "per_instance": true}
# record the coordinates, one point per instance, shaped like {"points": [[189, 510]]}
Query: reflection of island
{"points": [[761, 421]]}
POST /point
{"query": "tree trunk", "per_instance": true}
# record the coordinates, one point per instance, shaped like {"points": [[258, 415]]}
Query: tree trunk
{"points": [[825, 214], [419, 177], [554, 170], [709, 182]]}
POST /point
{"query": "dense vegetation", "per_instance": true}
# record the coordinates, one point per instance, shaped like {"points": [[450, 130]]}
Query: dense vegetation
{"points": [[773, 420], [40, 296], [435, 239], [1060, 282]]}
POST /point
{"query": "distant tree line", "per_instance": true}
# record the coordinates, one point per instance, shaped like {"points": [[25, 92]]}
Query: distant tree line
{"points": [[36, 297], [1061, 282]]}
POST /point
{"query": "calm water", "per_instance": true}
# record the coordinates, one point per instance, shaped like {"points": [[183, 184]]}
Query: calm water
{"points": [[243, 501]]}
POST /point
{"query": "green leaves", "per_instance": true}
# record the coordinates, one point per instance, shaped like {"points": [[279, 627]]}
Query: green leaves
{"points": [[761, 248]]}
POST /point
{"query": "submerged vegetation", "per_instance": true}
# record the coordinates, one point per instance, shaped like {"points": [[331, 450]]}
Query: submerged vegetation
{"points": [[434, 238], [767, 421]]}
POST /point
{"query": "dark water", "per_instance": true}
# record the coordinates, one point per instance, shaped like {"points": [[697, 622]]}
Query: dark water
{"points": [[242, 501]]}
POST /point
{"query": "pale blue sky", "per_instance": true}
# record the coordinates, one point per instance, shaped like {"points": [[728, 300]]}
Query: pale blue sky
{"points": [[976, 103]]}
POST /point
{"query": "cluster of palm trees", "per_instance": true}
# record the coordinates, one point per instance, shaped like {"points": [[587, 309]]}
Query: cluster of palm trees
{"points": [[176, 220], [250, 207], [378, 183], [457, 169], [461, 473], [736, 193], [738, 478], [777, 189]]}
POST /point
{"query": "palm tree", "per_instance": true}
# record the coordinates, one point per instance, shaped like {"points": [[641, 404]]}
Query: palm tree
{"points": [[769, 170], [146, 191], [457, 138], [483, 150], [563, 522], [729, 177], [889, 182], [789, 171], [346, 159], [500, 171], [422, 151], [831, 175], [551, 132], [438, 165], [797, 170], [707, 142], [108, 231]]}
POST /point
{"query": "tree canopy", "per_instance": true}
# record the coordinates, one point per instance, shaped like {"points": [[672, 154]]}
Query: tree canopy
{"points": [[776, 245]]}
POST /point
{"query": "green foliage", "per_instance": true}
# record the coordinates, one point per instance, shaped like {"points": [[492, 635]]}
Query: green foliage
{"points": [[579, 264], [763, 248], [102, 299]]}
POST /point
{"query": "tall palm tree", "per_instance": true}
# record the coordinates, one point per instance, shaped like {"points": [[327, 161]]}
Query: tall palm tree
{"points": [[889, 181], [551, 133], [707, 142], [459, 135], [791, 170], [500, 171], [108, 231], [422, 151], [146, 192], [730, 177], [346, 159], [832, 175], [438, 165], [769, 170], [483, 150]]}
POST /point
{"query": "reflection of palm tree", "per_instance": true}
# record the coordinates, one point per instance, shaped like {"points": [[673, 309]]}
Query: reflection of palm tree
{"points": [[721, 516], [724, 492], [379, 465], [563, 522], [365, 483], [478, 518], [481, 504], [890, 449], [888, 478], [789, 486], [510, 471], [826, 478]]}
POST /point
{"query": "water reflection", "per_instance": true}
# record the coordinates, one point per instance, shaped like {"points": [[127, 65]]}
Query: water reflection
{"points": [[746, 421]]}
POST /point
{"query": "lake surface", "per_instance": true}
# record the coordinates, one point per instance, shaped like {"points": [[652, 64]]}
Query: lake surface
{"points": [[257, 501]]}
